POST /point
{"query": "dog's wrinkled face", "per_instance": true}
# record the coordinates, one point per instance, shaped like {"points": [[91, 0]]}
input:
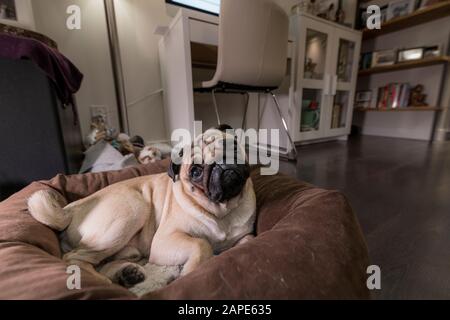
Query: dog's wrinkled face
{"points": [[216, 169], [219, 182]]}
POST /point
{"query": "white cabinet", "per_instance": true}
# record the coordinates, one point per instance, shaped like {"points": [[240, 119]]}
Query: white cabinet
{"points": [[324, 78]]}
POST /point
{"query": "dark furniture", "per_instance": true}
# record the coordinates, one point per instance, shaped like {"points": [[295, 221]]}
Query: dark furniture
{"points": [[40, 137]]}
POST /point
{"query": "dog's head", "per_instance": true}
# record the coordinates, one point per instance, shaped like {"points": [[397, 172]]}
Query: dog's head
{"points": [[215, 170]]}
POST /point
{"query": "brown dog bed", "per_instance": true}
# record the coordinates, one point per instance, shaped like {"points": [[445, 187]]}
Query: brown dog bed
{"points": [[308, 245]]}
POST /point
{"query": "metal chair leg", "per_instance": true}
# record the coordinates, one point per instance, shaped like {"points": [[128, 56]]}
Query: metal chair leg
{"points": [[274, 97], [215, 107], [243, 127], [259, 111]]}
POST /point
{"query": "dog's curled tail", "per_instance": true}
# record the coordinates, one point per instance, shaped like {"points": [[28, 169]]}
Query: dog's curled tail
{"points": [[46, 206]]}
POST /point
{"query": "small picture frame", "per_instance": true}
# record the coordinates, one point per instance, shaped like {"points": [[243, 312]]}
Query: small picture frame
{"points": [[363, 96], [400, 8], [17, 13], [8, 10], [362, 104], [433, 51], [426, 3], [410, 54], [383, 58]]}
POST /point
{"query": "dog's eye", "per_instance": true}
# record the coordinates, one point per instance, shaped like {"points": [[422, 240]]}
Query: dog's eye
{"points": [[196, 172]]}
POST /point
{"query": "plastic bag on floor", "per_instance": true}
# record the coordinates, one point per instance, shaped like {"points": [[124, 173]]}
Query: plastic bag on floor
{"points": [[104, 157]]}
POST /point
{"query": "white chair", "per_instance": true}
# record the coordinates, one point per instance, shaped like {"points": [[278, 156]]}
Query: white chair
{"points": [[252, 53]]}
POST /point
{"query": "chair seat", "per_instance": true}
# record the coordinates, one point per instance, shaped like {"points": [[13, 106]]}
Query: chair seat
{"points": [[230, 88]]}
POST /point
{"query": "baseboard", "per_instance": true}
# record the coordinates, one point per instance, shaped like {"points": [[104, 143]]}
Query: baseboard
{"points": [[149, 143], [337, 138], [442, 135]]}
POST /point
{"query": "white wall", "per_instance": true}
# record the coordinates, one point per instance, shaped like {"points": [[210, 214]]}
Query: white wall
{"points": [[136, 21], [87, 48]]}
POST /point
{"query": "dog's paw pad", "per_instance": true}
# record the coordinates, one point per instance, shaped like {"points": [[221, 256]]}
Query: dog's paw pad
{"points": [[130, 276]]}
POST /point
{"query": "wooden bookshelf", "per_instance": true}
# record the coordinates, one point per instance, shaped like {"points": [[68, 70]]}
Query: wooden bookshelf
{"points": [[407, 109], [433, 12], [406, 65]]}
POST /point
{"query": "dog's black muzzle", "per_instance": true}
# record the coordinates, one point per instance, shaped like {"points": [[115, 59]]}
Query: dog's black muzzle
{"points": [[226, 181]]}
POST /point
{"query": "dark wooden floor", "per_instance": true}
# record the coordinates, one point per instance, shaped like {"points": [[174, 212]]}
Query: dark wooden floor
{"points": [[400, 191]]}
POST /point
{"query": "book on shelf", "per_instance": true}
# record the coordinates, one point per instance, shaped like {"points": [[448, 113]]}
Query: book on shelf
{"points": [[393, 95]]}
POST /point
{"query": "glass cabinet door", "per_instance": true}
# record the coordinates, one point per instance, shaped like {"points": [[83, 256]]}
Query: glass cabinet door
{"points": [[345, 69], [315, 58], [311, 107], [346, 54], [315, 54], [340, 108]]}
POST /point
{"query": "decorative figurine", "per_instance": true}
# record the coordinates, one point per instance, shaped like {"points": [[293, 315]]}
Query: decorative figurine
{"points": [[308, 6], [328, 14], [310, 66], [340, 14], [417, 98]]}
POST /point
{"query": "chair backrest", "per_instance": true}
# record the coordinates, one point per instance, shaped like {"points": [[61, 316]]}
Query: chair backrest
{"points": [[253, 40]]}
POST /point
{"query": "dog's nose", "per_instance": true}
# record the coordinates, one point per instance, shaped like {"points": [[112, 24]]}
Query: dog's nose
{"points": [[226, 184], [215, 196]]}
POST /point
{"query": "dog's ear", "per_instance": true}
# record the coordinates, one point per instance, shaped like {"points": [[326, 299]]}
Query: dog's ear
{"points": [[224, 127], [174, 169]]}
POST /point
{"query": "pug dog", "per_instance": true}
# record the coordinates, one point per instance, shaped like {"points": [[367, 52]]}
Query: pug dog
{"points": [[204, 205]]}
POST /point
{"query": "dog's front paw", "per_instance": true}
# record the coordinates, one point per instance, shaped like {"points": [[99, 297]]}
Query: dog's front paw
{"points": [[130, 276]]}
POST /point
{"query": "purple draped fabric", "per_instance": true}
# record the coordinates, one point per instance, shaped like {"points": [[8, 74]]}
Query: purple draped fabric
{"points": [[66, 77]]}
